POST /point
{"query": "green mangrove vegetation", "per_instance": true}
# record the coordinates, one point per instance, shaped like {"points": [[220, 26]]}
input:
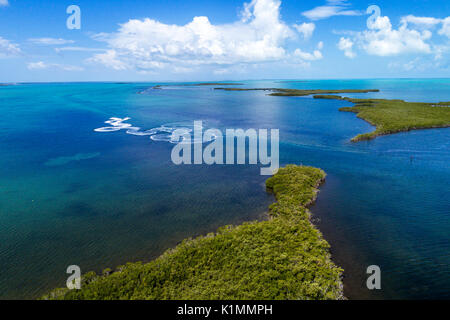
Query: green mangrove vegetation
{"points": [[393, 116], [218, 84], [298, 93], [282, 257], [388, 116]]}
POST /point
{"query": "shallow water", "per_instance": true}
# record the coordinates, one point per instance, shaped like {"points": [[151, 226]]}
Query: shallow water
{"points": [[70, 195]]}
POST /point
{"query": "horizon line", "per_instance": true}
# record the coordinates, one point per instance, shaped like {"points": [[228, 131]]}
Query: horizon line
{"points": [[219, 81]]}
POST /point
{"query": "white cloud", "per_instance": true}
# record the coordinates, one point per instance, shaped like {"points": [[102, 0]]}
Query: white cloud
{"points": [[332, 8], [40, 65], [37, 65], [420, 21], [259, 36], [79, 49], [306, 29], [429, 22], [222, 71], [382, 40], [411, 65], [445, 27], [110, 59], [4, 3], [441, 52], [346, 45], [306, 56], [50, 41], [8, 49]]}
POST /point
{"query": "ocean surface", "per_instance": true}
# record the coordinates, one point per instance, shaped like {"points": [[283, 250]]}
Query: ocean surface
{"points": [[70, 195]]}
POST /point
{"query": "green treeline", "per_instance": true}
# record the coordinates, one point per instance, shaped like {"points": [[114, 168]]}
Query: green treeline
{"points": [[278, 92], [393, 116], [389, 116], [283, 257]]}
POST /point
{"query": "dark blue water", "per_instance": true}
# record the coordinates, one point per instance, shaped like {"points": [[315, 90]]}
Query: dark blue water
{"points": [[69, 195]]}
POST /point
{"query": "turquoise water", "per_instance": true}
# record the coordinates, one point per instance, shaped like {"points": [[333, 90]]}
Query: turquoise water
{"points": [[70, 195]]}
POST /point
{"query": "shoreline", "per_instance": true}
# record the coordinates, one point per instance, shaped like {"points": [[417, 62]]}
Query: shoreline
{"points": [[395, 116], [387, 116], [271, 259]]}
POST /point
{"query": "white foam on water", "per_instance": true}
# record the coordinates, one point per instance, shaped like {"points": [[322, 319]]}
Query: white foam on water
{"points": [[107, 129], [162, 133], [162, 137], [136, 131], [164, 129], [117, 124]]}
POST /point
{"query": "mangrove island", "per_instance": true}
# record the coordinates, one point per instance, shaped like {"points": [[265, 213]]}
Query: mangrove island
{"points": [[282, 257], [388, 116]]}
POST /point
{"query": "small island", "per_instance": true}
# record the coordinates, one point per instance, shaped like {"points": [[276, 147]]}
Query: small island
{"points": [[282, 257], [393, 116], [388, 116]]}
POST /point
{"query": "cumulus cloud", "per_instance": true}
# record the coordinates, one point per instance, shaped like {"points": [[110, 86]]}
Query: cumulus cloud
{"points": [[306, 56], [50, 41], [445, 27], [428, 23], [413, 36], [332, 8], [346, 45], [4, 3], [8, 49], [259, 36], [306, 29], [40, 65], [382, 40]]}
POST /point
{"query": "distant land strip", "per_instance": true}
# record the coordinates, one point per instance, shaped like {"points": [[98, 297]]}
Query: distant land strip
{"points": [[278, 92], [388, 116], [161, 86]]}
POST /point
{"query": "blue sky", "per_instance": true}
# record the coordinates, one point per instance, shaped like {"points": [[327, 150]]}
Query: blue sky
{"points": [[193, 40]]}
